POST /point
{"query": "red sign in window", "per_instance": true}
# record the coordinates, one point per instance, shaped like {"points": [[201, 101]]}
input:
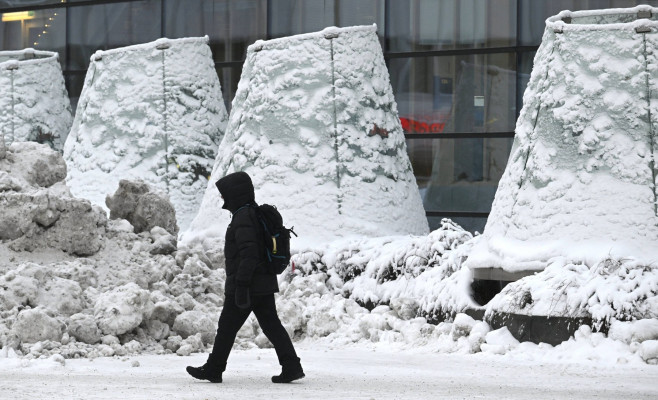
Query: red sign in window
{"points": [[423, 125]]}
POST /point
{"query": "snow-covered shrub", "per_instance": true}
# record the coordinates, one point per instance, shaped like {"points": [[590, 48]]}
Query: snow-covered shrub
{"points": [[608, 290], [580, 181], [34, 104], [315, 124], [151, 111], [426, 270]]}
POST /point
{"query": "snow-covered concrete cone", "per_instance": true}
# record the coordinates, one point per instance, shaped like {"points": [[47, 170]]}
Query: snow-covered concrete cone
{"points": [[34, 103], [581, 178], [151, 111], [315, 124]]}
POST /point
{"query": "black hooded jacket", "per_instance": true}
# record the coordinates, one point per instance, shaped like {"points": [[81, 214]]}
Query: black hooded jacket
{"points": [[244, 246]]}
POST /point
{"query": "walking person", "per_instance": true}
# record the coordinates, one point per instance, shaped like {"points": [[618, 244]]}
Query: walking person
{"points": [[249, 286]]}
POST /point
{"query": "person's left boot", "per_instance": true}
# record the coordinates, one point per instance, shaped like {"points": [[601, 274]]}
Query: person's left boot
{"points": [[206, 372], [289, 373]]}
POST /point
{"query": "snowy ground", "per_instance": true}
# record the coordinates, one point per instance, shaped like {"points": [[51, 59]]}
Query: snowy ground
{"points": [[353, 372]]}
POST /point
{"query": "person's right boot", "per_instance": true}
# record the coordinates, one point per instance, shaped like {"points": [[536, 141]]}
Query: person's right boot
{"points": [[206, 372], [289, 372]]}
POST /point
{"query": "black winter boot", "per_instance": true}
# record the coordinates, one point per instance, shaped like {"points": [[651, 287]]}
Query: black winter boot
{"points": [[206, 372], [289, 373]]}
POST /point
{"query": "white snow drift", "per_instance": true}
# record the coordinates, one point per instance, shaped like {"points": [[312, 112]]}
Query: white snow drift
{"points": [[581, 178], [34, 104], [315, 124], [154, 112]]}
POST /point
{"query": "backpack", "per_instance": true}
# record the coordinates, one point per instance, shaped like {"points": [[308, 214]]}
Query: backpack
{"points": [[276, 236]]}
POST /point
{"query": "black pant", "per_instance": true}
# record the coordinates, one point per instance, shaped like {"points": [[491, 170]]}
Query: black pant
{"points": [[231, 320]]}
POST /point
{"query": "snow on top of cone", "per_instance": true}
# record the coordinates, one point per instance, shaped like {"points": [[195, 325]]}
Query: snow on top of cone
{"points": [[159, 44], [609, 19], [15, 58], [327, 33]]}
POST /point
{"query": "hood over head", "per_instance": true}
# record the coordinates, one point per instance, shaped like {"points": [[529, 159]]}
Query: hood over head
{"points": [[236, 189]]}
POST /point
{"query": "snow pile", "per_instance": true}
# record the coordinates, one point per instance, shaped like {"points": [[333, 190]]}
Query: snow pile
{"points": [[142, 206], [152, 111], [315, 124], [466, 336], [34, 104], [606, 291], [36, 208], [581, 178], [121, 300], [124, 300]]}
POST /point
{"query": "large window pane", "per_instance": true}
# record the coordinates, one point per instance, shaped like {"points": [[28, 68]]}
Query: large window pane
{"points": [[229, 77], [26, 3], [422, 25], [458, 174], [231, 24], [41, 29], [534, 13], [74, 82], [292, 17], [471, 93], [108, 26]]}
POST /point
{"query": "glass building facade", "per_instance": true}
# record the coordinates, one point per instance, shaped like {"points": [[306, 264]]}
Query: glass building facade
{"points": [[458, 68]]}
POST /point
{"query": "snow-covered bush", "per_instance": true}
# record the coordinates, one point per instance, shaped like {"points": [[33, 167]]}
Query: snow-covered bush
{"points": [[580, 181], [425, 270], [609, 290], [315, 124], [34, 104], [151, 111]]}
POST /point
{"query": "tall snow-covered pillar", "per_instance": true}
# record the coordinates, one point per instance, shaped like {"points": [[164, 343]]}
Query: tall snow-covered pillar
{"points": [[34, 104], [315, 124], [581, 178], [151, 111]]}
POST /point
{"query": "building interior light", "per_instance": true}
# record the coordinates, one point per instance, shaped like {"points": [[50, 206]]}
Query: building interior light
{"points": [[17, 16]]}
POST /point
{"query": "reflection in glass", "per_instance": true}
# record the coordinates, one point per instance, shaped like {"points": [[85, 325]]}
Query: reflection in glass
{"points": [[229, 77], [292, 17], [471, 93], [533, 13], [26, 3], [108, 26], [458, 174], [422, 25], [40, 29], [232, 25]]}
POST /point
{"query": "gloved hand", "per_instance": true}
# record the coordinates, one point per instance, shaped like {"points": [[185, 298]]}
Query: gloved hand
{"points": [[242, 298]]}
